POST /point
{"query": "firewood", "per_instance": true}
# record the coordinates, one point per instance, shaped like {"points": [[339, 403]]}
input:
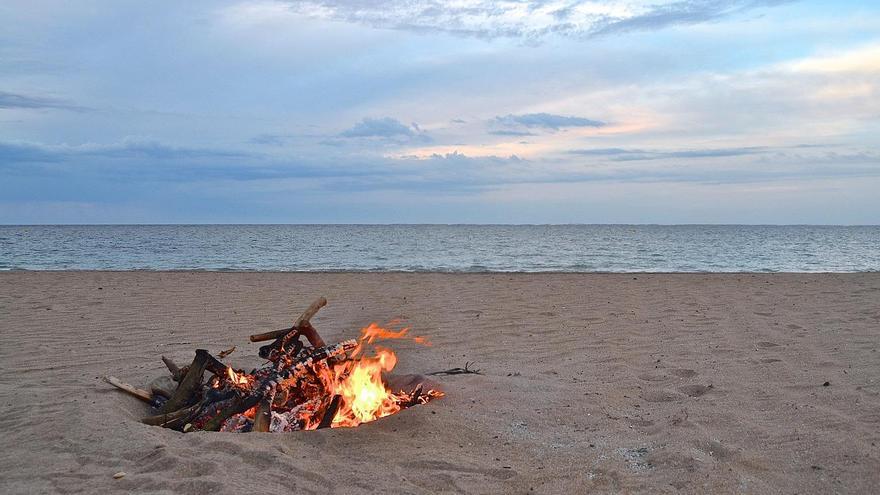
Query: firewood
{"points": [[139, 393], [176, 373], [162, 419], [242, 404], [263, 416], [330, 413], [304, 318], [189, 385], [223, 354]]}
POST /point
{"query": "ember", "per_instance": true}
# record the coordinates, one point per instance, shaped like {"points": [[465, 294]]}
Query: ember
{"points": [[302, 387]]}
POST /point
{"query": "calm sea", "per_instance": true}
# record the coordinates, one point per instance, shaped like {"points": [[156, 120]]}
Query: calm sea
{"points": [[452, 248]]}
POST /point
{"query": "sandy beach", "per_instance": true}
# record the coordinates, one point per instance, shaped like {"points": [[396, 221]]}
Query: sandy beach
{"points": [[624, 383]]}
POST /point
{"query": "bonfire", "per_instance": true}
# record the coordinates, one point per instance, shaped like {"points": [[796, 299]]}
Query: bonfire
{"points": [[303, 385]]}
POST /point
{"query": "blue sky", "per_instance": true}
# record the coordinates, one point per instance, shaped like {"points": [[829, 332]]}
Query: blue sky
{"points": [[607, 111]]}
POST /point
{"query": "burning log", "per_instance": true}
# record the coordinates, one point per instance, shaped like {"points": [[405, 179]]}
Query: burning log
{"points": [[330, 413], [263, 416], [302, 387]]}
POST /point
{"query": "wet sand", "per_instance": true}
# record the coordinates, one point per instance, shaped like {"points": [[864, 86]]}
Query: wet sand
{"points": [[654, 383]]}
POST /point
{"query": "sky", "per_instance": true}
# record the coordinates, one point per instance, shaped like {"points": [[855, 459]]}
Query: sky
{"points": [[466, 111]]}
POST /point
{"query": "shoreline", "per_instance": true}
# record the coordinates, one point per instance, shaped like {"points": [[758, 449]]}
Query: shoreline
{"points": [[433, 272], [675, 382]]}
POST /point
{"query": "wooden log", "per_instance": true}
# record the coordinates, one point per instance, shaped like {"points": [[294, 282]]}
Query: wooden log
{"points": [[305, 317], [139, 393], [238, 406], [311, 335], [189, 385], [267, 385], [176, 373], [263, 416], [414, 399], [330, 413], [162, 419]]}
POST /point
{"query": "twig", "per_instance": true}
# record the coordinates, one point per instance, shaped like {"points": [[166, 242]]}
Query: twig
{"points": [[458, 371]]}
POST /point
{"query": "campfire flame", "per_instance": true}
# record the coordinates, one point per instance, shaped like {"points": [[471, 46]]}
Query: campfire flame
{"points": [[361, 385], [238, 379]]}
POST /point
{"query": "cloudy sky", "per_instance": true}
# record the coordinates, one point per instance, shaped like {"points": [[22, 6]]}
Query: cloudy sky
{"points": [[470, 111]]}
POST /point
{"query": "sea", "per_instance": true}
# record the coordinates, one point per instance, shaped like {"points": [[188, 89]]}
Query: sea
{"points": [[443, 248]]}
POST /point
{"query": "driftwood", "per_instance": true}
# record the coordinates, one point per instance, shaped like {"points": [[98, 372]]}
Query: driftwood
{"points": [[140, 394], [189, 384], [163, 419], [304, 318], [176, 372], [263, 416], [330, 412]]}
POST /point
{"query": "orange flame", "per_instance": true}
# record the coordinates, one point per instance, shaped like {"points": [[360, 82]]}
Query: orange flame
{"points": [[237, 379], [365, 395]]}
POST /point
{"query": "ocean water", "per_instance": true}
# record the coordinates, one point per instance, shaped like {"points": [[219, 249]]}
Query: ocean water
{"points": [[446, 248]]}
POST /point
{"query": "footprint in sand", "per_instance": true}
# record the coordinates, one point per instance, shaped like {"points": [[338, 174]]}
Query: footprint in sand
{"points": [[683, 373], [695, 390], [770, 360], [766, 345], [448, 466], [660, 396], [649, 377]]}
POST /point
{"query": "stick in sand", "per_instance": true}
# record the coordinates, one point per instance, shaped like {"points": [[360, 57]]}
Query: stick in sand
{"points": [[140, 394]]}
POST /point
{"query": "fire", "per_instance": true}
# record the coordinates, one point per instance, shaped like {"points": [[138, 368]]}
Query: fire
{"points": [[364, 393], [346, 380], [238, 379]]}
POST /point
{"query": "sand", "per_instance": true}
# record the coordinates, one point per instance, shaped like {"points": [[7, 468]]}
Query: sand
{"points": [[591, 382]]}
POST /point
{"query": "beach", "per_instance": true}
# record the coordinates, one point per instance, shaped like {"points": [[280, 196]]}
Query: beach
{"points": [[622, 383]]}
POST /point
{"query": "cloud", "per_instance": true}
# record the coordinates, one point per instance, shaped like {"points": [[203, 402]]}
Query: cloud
{"points": [[269, 139], [624, 154], [509, 132], [669, 14], [384, 127], [528, 20], [20, 101], [546, 121], [129, 148]]}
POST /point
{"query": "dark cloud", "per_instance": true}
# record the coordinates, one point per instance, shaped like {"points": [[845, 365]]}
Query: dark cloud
{"points": [[16, 100], [546, 121]]}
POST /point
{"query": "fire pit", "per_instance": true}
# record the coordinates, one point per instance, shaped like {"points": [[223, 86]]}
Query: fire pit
{"points": [[303, 386]]}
